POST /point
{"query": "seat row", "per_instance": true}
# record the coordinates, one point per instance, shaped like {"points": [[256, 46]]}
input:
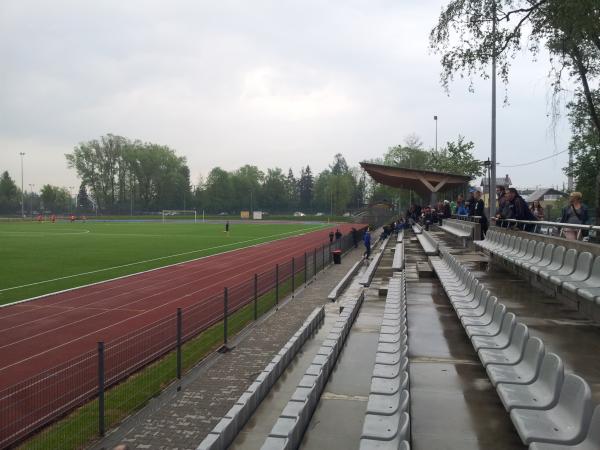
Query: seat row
{"points": [[289, 428], [568, 269], [387, 420], [400, 236], [428, 242], [550, 409], [223, 434], [398, 261], [367, 276], [417, 229], [458, 228]]}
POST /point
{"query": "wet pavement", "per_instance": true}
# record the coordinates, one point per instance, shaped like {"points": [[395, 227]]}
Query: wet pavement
{"points": [[453, 403], [564, 330]]}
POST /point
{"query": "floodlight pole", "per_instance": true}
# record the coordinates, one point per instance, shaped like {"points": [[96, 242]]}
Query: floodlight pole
{"points": [[493, 143], [435, 118], [22, 191]]}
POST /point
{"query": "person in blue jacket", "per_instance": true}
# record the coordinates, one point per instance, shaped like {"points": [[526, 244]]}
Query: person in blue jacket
{"points": [[367, 241]]}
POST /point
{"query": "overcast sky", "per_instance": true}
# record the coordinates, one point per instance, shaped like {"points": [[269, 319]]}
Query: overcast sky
{"points": [[271, 83]]}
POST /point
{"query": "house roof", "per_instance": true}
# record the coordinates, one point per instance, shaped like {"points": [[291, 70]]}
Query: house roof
{"points": [[503, 181], [539, 194]]}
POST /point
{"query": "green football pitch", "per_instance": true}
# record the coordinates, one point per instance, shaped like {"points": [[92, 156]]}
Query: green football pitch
{"points": [[39, 258]]}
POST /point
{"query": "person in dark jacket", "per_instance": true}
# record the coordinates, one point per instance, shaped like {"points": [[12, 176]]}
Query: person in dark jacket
{"points": [[355, 237], [331, 236], [480, 211], [518, 209], [367, 242]]}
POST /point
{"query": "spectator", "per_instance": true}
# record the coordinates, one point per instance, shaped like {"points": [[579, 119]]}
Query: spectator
{"points": [[355, 237], [427, 217], [537, 210], [470, 203], [367, 242], [480, 211], [447, 209], [576, 213], [453, 207], [461, 209], [338, 234], [503, 204], [331, 236], [518, 209]]}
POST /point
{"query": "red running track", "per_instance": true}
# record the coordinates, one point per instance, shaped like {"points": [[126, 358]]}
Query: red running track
{"points": [[44, 333]]}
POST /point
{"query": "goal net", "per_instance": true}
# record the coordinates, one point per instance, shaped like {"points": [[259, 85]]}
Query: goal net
{"points": [[179, 214]]}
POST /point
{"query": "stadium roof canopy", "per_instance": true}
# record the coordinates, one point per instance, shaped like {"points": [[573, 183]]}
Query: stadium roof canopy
{"points": [[423, 182]]}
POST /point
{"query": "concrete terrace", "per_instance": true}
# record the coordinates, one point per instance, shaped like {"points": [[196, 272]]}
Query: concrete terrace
{"points": [[452, 402]]}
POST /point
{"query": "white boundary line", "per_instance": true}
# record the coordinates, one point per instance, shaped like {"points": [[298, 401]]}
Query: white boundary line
{"points": [[149, 270]]}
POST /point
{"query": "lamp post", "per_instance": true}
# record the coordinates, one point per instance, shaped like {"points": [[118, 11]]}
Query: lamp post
{"points": [[435, 119], [22, 191], [493, 143], [31, 186]]}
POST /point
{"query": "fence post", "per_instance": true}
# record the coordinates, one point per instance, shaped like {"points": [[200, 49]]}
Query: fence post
{"points": [[277, 284], [323, 267], [255, 296], [305, 269], [315, 263], [225, 313], [179, 326], [293, 276], [101, 388]]}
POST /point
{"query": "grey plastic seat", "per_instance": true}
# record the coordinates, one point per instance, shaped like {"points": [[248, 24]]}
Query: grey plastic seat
{"points": [[581, 273], [507, 245], [538, 254], [545, 261], [509, 355], [591, 441], [477, 311], [470, 301], [386, 428], [502, 241], [591, 294], [488, 317], [521, 252], [541, 394], [524, 372], [513, 247], [592, 282], [501, 340], [490, 330], [529, 253], [566, 268], [565, 423]]}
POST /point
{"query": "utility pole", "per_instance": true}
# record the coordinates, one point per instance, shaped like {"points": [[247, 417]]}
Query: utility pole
{"points": [[493, 143], [22, 191]]}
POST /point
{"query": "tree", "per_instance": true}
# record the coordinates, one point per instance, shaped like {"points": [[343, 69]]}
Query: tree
{"points": [[83, 200], [457, 157], [55, 199], [292, 190], [585, 147], [470, 33], [9, 194], [274, 192], [115, 169], [339, 166], [305, 188]]}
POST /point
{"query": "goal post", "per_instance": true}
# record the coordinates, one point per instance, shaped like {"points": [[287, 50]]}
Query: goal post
{"points": [[168, 214]]}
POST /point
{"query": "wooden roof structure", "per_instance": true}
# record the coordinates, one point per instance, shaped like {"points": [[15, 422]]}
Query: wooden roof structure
{"points": [[423, 182]]}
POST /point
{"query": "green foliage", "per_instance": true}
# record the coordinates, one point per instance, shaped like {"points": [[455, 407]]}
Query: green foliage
{"points": [[9, 194], [116, 168], [55, 199]]}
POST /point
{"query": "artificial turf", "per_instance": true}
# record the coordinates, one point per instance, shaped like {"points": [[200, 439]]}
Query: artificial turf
{"points": [[40, 258]]}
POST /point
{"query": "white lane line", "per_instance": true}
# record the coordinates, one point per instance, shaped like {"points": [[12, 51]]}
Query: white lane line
{"points": [[310, 230]]}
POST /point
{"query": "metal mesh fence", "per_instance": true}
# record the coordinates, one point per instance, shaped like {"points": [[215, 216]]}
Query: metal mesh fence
{"points": [[99, 388]]}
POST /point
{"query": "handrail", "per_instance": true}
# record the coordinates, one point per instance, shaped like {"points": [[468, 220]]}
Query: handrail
{"points": [[539, 224]]}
